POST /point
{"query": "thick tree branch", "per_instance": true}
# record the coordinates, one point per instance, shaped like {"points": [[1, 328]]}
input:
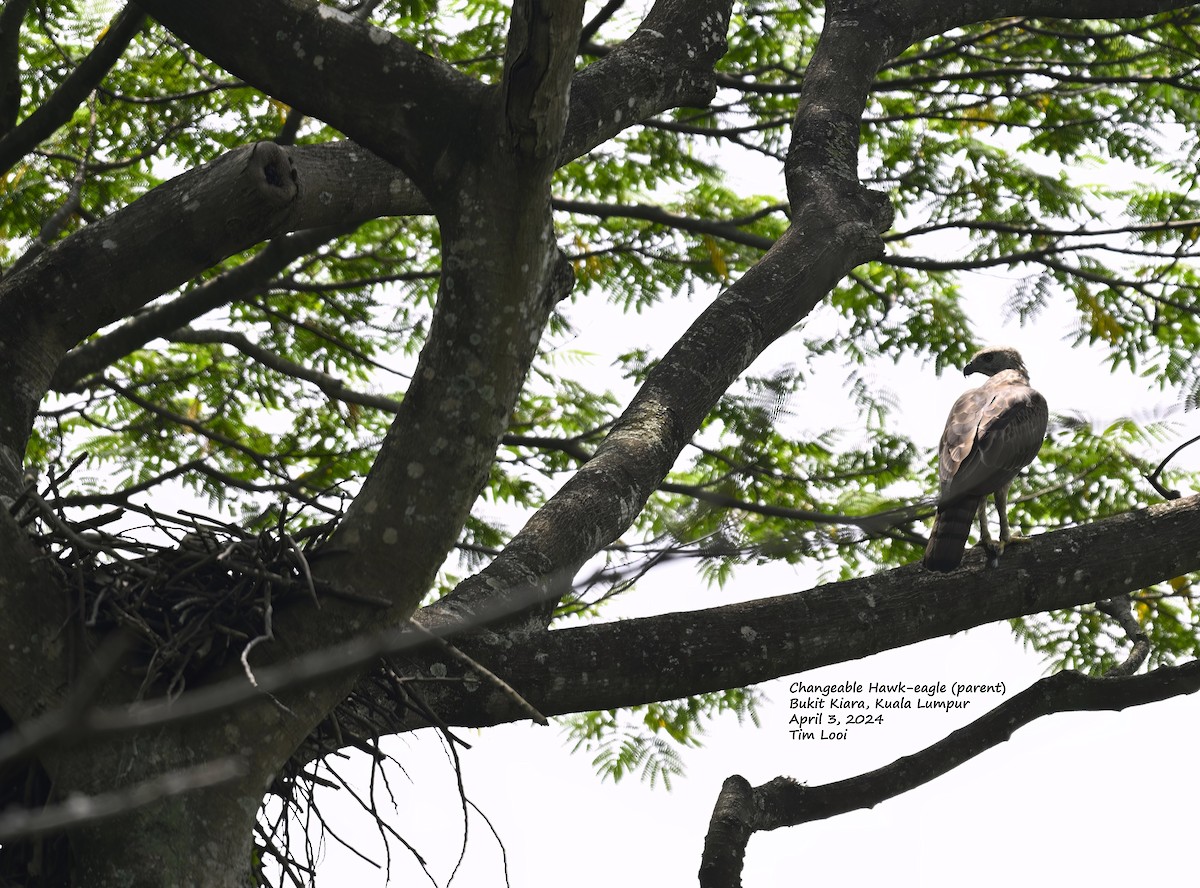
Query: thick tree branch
{"points": [[734, 820], [501, 276], [673, 655], [666, 63], [540, 59], [58, 108], [742, 810], [677, 655], [404, 105], [856, 41]]}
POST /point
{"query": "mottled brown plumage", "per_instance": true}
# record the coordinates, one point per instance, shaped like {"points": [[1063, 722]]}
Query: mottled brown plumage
{"points": [[992, 433]]}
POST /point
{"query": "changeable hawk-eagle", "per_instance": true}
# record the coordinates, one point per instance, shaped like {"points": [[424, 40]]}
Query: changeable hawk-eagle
{"points": [[992, 433]]}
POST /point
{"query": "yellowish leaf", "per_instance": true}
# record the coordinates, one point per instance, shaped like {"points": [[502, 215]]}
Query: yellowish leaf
{"points": [[1104, 325], [281, 109], [716, 256]]}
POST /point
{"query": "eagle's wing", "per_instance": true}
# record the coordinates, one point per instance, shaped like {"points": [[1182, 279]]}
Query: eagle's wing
{"points": [[992, 433]]}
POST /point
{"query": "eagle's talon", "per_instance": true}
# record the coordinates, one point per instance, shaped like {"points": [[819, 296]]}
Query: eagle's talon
{"points": [[994, 551]]}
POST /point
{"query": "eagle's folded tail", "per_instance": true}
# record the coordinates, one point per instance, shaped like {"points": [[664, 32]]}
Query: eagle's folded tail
{"points": [[948, 539]]}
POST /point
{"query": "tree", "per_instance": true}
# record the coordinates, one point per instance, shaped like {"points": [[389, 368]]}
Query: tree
{"points": [[316, 263]]}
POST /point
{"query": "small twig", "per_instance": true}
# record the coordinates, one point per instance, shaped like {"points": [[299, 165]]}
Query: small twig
{"points": [[267, 635], [285, 861], [232, 529], [70, 470], [314, 777], [499, 841], [504, 687], [466, 813], [302, 563], [1163, 490], [413, 700], [79, 542]]}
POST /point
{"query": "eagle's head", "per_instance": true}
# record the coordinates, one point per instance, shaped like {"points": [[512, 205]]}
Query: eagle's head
{"points": [[991, 360]]}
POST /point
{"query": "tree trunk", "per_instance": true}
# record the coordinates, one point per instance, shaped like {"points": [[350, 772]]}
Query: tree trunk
{"points": [[197, 840]]}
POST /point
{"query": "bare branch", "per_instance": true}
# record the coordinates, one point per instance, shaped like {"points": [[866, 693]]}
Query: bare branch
{"points": [[331, 386], [726, 230], [598, 20], [934, 17], [1157, 473]]}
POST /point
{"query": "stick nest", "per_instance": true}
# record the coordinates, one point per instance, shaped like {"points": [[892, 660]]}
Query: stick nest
{"points": [[202, 596]]}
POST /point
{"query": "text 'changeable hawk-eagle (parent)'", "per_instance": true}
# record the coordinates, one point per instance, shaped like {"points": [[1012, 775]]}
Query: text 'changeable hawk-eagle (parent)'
{"points": [[992, 433]]}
